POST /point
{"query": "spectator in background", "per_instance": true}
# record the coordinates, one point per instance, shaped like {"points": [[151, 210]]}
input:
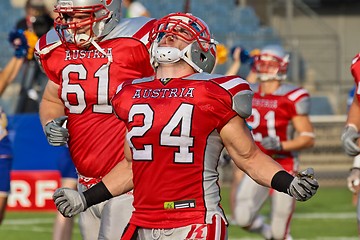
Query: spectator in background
{"points": [[12, 68], [37, 18], [241, 56], [36, 22], [279, 111], [350, 136], [6, 159], [135, 9]]}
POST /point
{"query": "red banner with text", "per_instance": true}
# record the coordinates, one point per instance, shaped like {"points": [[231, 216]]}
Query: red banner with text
{"points": [[33, 190]]}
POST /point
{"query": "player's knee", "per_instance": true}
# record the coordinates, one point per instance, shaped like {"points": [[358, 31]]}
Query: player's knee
{"points": [[278, 236], [243, 217], [278, 233]]}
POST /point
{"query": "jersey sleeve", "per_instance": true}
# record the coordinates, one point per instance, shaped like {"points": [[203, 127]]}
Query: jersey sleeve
{"points": [[117, 104], [240, 93], [301, 100], [43, 49], [235, 98]]}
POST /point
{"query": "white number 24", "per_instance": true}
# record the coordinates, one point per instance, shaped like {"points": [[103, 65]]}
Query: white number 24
{"points": [[183, 142]]}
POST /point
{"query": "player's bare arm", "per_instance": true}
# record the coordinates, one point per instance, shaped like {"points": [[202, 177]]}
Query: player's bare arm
{"points": [[119, 179], [51, 106], [52, 116], [246, 155], [305, 135]]}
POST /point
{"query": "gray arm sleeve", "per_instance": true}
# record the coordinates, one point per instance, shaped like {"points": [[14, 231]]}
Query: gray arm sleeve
{"points": [[242, 103], [303, 106]]}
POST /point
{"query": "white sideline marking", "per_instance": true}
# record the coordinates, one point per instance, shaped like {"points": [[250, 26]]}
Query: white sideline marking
{"points": [[344, 215], [28, 221], [340, 215]]}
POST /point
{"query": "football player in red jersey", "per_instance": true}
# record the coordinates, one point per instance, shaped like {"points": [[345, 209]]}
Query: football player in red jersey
{"points": [[86, 56], [350, 136], [279, 111], [178, 122]]}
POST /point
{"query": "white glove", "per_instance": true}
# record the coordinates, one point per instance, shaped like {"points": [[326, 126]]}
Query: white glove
{"points": [[304, 185], [349, 137], [353, 180], [55, 133], [69, 202], [271, 143]]}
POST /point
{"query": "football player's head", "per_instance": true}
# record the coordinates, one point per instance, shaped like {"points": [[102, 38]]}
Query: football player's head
{"points": [[193, 42], [271, 63], [82, 21]]}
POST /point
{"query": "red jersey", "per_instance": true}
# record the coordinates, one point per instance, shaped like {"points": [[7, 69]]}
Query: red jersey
{"points": [[272, 115], [173, 132], [355, 71], [88, 79]]}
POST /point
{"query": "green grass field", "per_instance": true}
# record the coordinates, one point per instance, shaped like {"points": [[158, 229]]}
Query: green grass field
{"points": [[329, 215]]}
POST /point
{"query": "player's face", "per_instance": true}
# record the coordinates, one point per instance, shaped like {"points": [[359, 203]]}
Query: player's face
{"points": [[81, 22], [176, 38], [268, 65]]}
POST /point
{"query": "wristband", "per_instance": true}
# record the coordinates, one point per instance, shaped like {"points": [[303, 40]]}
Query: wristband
{"points": [[356, 162], [97, 194], [352, 125], [281, 181]]}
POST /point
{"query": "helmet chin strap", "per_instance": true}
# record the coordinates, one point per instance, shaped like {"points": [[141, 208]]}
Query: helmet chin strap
{"points": [[168, 55], [82, 37]]}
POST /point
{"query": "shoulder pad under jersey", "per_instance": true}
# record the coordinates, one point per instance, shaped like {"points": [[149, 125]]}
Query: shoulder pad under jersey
{"points": [[202, 76], [47, 42], [135, 81], [240, 91], [137, 28], [254, 86], [299, 96]]}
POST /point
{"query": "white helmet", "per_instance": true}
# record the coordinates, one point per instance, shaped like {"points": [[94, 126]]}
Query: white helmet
{"points": [[104, 16], [271, 63], [200, 54]]}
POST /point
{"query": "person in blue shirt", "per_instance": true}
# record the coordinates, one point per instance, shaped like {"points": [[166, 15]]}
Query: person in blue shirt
{"points": [[6, 159]]}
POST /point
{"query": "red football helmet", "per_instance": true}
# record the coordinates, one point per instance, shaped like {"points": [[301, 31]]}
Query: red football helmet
{"points": [[271, 63], [104, 15], [199, 54]]}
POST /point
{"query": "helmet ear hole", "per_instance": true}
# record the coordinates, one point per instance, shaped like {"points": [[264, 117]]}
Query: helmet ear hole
{"points": [[202, 57]]}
